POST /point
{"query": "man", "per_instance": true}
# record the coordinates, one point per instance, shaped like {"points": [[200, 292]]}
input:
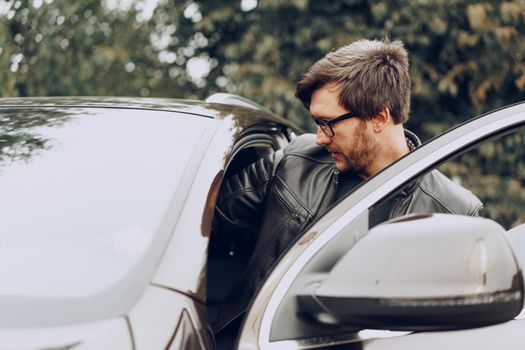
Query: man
{"points": [[359, 97]]}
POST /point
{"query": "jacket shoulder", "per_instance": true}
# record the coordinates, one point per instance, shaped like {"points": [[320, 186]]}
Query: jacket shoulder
{"points": [[448, 195]]}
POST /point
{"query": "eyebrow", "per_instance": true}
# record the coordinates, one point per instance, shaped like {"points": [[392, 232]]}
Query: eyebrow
{"points": [[322, 117]]}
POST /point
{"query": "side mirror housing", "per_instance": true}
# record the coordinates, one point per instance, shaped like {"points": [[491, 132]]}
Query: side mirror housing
{"points": [[427, 272]]}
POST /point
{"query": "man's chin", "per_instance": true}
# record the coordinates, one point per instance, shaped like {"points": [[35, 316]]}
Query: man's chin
{"points": [[345, 167], [342, 166]]}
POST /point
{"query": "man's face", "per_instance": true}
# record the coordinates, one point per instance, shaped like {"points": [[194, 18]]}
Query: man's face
{"points": [[353, 146]]}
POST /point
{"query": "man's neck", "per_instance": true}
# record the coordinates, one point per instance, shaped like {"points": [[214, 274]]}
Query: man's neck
{"points": [[388, 154]]}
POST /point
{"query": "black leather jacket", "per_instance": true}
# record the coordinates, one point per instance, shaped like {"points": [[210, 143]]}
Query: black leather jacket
{"points": [[291, 188]]}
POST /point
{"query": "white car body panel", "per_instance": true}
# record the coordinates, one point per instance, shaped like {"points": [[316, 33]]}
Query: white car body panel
{"points": [[155, 317], [508, 336], [106, 334]]}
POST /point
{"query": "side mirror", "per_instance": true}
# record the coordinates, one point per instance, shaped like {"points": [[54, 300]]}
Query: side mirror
{"points": [[426, 272]]}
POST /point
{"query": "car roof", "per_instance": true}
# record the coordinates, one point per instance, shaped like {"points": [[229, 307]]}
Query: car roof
{"points": [[218, 108]]}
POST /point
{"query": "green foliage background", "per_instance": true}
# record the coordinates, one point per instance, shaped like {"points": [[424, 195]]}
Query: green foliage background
{"points": [[467, 57]]}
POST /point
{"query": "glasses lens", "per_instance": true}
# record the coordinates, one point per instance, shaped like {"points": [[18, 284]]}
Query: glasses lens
{"points": [[321, 124], [324, 126]]}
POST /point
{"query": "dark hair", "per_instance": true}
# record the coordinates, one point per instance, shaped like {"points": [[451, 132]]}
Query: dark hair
{"points": [[371, 75]]}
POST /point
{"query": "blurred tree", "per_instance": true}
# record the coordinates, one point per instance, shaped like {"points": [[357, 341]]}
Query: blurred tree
{"points": [[467, 57], [19, 138], [76, 48]]}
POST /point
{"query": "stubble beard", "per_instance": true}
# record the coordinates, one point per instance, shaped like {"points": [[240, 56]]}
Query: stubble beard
{"points": [[364, 150]]}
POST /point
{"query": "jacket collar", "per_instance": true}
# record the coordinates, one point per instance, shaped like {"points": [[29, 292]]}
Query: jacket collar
{"points": [[413, 142]]}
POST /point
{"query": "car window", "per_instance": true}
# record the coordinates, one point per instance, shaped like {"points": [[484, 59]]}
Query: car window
{"points": [[84, 192], [495, 173]]}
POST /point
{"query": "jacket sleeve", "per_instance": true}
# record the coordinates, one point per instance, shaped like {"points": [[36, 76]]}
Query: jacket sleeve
{"points": [[478, 209], [243, 195]]}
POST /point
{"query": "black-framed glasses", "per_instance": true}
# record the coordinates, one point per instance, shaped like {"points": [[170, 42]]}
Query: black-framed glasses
{"points": [[326, 125]]}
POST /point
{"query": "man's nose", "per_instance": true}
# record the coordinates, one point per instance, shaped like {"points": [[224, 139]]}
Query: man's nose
{"points": [[322, 138]]}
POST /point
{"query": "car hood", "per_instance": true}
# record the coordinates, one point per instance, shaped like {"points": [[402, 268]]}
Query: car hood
{"points": [[106, 334]]}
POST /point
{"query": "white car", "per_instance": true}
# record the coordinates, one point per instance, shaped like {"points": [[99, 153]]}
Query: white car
{"points": [[107, 212]]}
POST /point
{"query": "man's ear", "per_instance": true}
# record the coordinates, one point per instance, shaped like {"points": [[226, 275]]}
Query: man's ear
{"points": [[381, 120]]}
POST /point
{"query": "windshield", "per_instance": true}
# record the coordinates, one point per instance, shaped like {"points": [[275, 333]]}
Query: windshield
{"points": [[83, 194]]}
